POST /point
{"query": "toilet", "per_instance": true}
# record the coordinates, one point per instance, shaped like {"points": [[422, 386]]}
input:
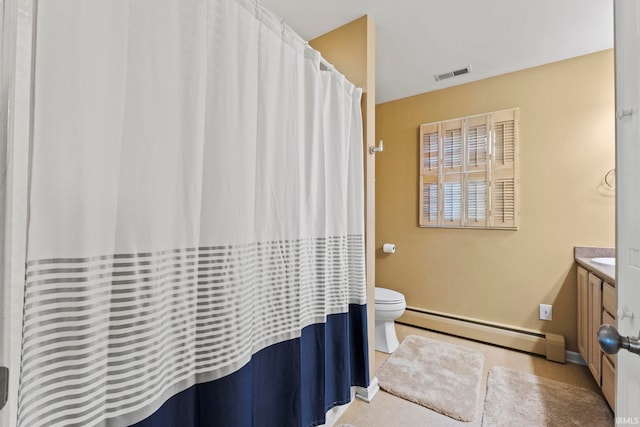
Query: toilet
{"points": [[389, 306]]}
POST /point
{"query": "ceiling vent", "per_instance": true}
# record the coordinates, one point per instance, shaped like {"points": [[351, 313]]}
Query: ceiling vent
{"points": [[461, 71]]}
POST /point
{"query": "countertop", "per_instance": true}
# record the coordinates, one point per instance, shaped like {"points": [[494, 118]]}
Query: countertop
{"points": [[583, 256]]}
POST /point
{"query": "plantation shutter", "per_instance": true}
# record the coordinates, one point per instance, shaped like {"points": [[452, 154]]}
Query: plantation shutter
{"points": [[504, 203], [476, 168], [469, 172], [477, 143], [430, 149], [429, 201], [451, 210], [477, 203], [452, 177], [429, 196], [452, 146]]}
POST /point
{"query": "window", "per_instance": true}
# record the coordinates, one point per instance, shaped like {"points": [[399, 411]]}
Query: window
{"points": [[469, 172]]}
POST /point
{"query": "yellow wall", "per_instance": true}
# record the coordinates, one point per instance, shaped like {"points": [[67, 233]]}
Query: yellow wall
{"points": [[346, 48], [567, 144], [351, 50]]}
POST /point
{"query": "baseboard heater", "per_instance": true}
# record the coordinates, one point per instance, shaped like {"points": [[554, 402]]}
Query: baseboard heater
{"points": [[546, 344]]}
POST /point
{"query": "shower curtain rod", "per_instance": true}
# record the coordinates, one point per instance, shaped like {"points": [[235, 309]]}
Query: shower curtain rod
{"points": [[285, 27]]}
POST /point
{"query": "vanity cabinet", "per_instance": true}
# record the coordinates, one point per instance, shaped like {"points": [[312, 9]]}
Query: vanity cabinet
{"points": [[609, 304], [596, 305], [583, 311], [594, 320]]}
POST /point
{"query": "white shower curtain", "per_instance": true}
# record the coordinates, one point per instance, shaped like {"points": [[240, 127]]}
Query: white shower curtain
{"points": [[195, 244]]}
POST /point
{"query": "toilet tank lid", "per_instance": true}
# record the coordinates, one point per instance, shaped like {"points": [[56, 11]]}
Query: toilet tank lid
{"points": [[384, 295]]}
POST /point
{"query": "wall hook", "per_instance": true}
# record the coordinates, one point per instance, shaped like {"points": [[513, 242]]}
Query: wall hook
{"points": [[378, 149], [623, 112]]}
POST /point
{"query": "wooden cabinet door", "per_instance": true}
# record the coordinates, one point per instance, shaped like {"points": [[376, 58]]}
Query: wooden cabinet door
{"points": [[595, 319], [583, 311], [609, 382]]}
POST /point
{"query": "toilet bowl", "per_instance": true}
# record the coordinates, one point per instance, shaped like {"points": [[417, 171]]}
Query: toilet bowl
{"points": [[389, 306]]}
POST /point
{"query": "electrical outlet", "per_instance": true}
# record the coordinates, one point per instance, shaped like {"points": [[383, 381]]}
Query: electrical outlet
{"points": [[546, 312]]}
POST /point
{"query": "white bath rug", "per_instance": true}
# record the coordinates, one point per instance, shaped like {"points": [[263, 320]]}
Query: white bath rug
{"points": [[517, 398], [440, 376]]}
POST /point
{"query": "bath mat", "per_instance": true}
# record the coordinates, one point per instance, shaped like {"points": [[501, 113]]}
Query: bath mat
{"points": [[440, 376], [517, 398]]}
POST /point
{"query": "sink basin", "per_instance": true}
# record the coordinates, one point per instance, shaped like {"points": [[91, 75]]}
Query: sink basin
{"points": [[604, 261]]}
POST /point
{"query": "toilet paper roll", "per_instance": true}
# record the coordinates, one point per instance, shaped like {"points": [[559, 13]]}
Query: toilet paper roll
{"points": [[389, 248]]}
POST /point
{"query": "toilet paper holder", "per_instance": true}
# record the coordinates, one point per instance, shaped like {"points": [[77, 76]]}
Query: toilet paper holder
{"points": [[389, 248]]}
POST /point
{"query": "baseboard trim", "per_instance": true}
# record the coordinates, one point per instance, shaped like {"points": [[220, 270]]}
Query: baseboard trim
{"points": [[363, 393], [575, 357], [333, 414], [368, 393], [505, 336]]}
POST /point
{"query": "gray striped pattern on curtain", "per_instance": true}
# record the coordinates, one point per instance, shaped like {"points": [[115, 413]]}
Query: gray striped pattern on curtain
{"points": [[104, 336]]}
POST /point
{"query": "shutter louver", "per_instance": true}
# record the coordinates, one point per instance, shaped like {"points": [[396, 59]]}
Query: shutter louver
{"points": [[504, 142], [452, 201], [430, 151], [430, 203], [452, 147], [477, 147], [504, 202], [477, 202]]}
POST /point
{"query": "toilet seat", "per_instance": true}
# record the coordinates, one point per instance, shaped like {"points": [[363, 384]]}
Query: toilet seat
{"points": [[388, 296]]}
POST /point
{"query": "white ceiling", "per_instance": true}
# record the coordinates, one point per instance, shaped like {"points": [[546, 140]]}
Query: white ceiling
{"points": [[416, 39]]}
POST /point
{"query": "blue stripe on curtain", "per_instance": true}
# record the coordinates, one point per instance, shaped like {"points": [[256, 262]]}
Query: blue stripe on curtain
{"points": [[283, 384]]}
